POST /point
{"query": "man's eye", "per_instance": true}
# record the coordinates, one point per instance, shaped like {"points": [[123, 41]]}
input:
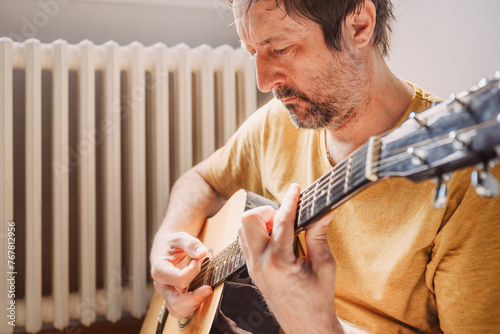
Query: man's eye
{"points": [[281, 51]]}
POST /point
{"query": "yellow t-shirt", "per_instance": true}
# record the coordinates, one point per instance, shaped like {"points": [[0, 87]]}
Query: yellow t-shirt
{"points": [[402, 266]]}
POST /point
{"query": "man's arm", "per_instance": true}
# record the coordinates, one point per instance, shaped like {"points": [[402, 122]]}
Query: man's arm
{"points": [[191, 201]]}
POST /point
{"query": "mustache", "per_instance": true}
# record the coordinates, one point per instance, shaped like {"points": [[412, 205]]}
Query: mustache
{"points": [[286, 92]]}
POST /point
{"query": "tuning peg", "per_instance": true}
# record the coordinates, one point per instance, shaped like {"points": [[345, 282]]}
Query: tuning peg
{"points": [[459, 106], [485, 183], [420, 120], [418, 157], [482, 83], [441, 197], [460, 142]]}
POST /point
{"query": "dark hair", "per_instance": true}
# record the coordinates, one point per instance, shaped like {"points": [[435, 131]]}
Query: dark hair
{"points": [[330, 15]]}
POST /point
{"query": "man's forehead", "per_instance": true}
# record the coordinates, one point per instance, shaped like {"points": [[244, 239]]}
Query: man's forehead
{"points": [[242, 7]]}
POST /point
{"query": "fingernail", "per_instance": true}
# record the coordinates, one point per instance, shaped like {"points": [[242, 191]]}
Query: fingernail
{"points": [[198, 251]]}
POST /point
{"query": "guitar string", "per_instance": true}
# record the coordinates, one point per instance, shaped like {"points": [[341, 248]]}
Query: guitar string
{"points": [[377, 166]]}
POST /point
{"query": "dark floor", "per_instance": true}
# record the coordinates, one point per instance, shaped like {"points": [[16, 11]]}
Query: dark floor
{"points": [[125, 326]]}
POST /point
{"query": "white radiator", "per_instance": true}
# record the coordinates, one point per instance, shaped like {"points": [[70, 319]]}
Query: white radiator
{"points": [[91, 139]]}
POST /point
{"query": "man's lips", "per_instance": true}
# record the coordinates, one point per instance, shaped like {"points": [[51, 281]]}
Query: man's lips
{"points": [[289, 99]]}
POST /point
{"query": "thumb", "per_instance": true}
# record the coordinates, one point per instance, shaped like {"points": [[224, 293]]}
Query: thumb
{"points": [[191, 245], [318, 250]]}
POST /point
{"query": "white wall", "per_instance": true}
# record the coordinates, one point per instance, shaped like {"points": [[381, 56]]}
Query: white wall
{"points": [[446, 46], [193, 22]]}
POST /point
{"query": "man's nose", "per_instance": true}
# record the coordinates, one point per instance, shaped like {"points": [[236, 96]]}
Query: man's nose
{"points": [[269, 73]]}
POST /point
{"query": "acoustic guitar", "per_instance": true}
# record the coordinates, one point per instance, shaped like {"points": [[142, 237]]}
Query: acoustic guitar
{"points": [[461, 131]]}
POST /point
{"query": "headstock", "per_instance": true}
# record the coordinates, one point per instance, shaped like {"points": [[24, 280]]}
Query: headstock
{"points": [[461, 131]]}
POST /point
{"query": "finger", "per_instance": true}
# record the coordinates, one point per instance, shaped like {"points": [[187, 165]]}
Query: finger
{"points": [[193, 247], [181, 305], [318, 250], [164, 271], [253, 232], [283, 228]]}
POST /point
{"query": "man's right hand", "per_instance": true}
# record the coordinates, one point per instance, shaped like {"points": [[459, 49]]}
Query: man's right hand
{"points": [[172, 276]]}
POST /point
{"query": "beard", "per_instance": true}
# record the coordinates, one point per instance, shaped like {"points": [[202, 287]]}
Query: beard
{"points": [[339, 95]]}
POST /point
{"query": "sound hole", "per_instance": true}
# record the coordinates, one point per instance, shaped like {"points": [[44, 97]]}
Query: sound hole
{"points": [[184, 322]]}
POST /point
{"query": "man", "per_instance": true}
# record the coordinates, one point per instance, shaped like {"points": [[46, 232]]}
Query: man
{"points": [[384, 261]]}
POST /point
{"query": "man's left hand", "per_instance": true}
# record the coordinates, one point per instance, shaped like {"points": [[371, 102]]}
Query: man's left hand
{"points": [[299, 291]]}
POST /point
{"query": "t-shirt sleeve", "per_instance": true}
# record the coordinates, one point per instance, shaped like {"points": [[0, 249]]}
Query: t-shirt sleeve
{"points": [[236, 165], [465, 267]]}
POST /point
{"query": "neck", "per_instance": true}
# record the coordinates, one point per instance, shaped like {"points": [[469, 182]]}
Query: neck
{"points": [[389, 99]]}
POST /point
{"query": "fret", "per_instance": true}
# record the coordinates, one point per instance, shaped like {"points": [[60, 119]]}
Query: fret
{"points": [[217, 272], [222, 267], [237, 261], [373, 155], [230, 264], [227, 265], [208, 275], [241, 257], [230, 260], [329, 187], [359, 176], [347, 173], [314, 198]]}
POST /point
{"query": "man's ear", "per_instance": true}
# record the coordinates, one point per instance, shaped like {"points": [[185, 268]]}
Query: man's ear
{"points": [[360, 25]]}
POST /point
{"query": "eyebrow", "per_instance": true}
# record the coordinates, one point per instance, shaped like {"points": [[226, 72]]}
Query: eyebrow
{"points": [[267, 41], [271, 40]]}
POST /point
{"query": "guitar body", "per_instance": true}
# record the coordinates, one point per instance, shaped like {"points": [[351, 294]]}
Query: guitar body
{"points": [[236, 305]]}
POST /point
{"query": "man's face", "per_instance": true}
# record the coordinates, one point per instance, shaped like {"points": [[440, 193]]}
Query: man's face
{"points": [[320, 88]]}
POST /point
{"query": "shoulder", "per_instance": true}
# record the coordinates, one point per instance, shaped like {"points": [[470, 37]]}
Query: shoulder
{"points": [[422, 99]]}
